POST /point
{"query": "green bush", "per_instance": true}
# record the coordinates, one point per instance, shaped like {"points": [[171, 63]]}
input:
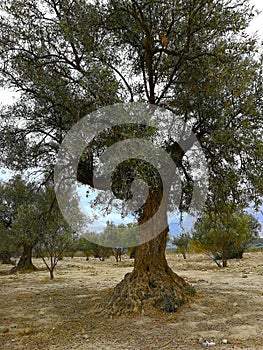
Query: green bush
{"points": [[225, 235]]}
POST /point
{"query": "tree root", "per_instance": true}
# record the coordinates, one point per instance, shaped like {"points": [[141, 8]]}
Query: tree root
{"points": [[26, 268], [139, 291]]}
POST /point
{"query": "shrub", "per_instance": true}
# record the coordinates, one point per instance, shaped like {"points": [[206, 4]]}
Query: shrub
{"points": [[225, 235]]}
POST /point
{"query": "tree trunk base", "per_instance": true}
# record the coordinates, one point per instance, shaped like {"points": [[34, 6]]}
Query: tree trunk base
{"points": [[25, 262], [26, 268], [142, 290]]}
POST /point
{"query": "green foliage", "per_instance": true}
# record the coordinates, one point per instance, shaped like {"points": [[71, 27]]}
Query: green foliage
{"points": [[112, 233], [225, 235], [30, 218], [55, 235], [26, 226], [16, 197], [7, 246], [13, 194], [47, 53], [183, 243], [89, 248], [118, 234]]}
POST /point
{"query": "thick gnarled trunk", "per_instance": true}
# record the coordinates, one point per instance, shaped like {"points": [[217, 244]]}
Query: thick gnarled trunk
{"points": [[152, 283], [25, 262]]}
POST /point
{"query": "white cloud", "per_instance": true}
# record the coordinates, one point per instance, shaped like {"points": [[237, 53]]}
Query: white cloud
{"points": [[256, 24], [8, 97], [5, 174]]}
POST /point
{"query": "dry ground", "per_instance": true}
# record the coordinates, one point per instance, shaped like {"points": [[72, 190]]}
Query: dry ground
{"points": [[36, 313]]}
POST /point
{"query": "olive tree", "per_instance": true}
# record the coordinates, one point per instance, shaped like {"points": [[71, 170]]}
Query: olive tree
{"points": [[16, 196], [55, 238], [7, 247], [225, 235], [182, 243], [193, 58]]}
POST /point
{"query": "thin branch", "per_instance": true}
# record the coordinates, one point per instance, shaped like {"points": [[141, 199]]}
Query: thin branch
{"points": [[124, 80], [168, 85]]}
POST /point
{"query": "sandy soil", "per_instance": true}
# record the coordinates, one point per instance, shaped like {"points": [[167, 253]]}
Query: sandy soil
{"points": [[36, 313]]}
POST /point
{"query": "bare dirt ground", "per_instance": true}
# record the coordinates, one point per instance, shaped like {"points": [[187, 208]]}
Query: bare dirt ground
{"points": [[36, 313]]}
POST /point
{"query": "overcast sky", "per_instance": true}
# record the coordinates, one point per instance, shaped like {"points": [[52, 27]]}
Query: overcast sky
{"points": [[257, 23]]}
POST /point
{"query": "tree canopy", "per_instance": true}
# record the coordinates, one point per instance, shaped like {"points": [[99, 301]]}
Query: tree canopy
{"points": [[67, 58]]}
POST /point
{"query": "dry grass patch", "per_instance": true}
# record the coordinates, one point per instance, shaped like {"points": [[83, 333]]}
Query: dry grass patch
{"points": [[37, 313]]}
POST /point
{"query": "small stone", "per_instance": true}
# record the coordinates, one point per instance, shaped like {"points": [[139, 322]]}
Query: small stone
{"points": [[224, 341], [235, 304], [86, 337], [208, 344], [211, 343]]}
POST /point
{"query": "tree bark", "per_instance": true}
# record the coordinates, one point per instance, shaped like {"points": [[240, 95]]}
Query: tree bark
{"points": [[51, 272], [25, 261], [224, 261], [152, 283]]}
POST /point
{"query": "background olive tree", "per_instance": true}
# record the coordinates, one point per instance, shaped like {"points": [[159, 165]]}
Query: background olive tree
{"points": [[55, 236], [225, 235], [17, 196], [182, 242]]}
